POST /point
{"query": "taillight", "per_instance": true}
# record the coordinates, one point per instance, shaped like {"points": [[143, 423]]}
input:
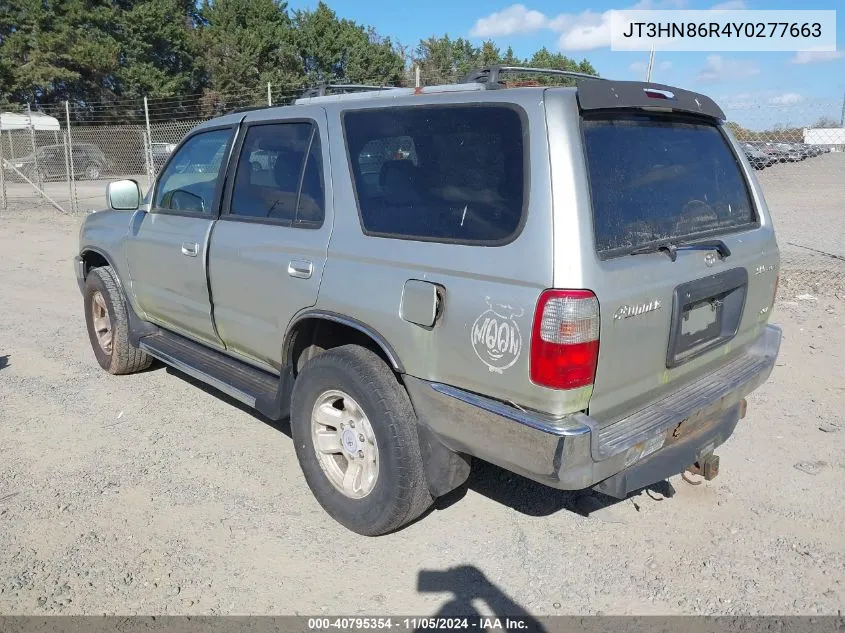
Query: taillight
{"points": [[565, 339]]}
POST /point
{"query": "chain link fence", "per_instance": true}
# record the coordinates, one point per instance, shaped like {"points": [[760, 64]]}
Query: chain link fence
{"points": [[62, 156]]}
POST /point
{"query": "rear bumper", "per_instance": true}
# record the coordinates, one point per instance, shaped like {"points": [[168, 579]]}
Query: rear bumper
{"points": [[574, 452]]}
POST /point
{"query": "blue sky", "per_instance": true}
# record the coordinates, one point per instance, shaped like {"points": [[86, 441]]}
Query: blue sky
{"points": [[760, 88]]}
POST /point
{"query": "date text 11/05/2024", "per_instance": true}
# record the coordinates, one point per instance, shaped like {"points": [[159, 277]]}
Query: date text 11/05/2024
{"points": [[478, 623]]}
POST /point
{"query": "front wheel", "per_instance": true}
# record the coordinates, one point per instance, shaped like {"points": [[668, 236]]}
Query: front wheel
{"points": [[355, 436], [92, 172], [108, 324]]}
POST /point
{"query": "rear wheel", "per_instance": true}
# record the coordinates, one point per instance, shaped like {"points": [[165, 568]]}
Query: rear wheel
{"points": [[355, 436], [108, 324]]}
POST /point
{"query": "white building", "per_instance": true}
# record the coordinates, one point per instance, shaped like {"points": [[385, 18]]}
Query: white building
{"points": [[833, 137]]}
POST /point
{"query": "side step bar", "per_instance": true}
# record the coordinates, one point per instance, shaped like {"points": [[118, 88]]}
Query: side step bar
{"points": [[260, 390]]}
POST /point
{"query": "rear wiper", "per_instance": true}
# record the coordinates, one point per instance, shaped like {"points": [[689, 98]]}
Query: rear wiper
{"points": [[672, 249]]}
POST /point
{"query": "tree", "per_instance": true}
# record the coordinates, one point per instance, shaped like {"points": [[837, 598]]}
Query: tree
{"points": [[825, 122], [341, 51], [159, 55], [52, 51], [739, 132], [245, 44], [443, 60]]}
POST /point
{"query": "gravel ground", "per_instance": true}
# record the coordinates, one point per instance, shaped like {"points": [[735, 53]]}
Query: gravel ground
{"points": [[147, 494]]}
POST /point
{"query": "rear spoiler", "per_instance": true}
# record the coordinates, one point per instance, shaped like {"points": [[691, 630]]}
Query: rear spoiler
{"points": [[607, 95]]}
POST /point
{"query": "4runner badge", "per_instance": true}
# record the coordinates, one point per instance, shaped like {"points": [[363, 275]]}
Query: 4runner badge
{"points": [[496, 338], [626, 312]]}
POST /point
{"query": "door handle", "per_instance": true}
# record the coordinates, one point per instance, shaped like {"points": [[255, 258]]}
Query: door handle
{"points": [[190, 249], [301, 268]]}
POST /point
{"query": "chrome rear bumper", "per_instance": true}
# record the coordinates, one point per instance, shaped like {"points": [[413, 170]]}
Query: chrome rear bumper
{"points": [[574, 452]]}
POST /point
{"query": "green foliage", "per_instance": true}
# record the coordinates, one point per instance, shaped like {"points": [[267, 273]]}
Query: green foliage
{"points": [[95, 51], [442, 60], [245, 44], [332, 50], [159, 49], [57, 50]]}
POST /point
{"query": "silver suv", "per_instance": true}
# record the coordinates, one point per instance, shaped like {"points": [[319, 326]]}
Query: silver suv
{"points": [[573, 283]]}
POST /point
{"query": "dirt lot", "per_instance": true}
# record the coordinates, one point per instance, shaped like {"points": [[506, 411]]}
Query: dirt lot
{"points": [[147, 494]]}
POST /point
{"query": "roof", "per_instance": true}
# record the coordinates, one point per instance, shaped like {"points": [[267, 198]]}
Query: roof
{"points": [[40, 122]]}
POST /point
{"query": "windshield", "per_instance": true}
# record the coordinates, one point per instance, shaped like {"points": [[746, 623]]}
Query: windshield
{"points": [[660, 179]]}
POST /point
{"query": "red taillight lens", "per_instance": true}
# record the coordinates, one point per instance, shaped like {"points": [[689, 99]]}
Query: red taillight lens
{"points": [[565, 339]]}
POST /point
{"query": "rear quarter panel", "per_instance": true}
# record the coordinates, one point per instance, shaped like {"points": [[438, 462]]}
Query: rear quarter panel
{"points": [[365, 276]]}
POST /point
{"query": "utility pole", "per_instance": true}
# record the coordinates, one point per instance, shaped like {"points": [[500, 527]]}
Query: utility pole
{"points": [[842, 118]]}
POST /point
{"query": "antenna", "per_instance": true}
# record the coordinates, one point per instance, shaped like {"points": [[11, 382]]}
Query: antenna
{"points": [[650, 66]]}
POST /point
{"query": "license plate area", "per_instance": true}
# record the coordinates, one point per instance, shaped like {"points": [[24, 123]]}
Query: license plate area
{"points": [[706, 314]]}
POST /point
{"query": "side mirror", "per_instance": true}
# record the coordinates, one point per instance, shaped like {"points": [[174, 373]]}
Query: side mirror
{"points": [[123, 195]]}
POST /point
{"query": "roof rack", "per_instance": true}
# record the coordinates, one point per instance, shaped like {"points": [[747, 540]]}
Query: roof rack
{"points": [[248, 109], [321, 90], [386, 92], [489, 75]]}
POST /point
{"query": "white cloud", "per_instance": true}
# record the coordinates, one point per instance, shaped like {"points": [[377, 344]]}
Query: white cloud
{"points": [[730, 5], [739, 100], [664, 66], [787, 98], [516, 18], [578, 31], [812, 57], [761, 98], [585, 31], [717, 68]]}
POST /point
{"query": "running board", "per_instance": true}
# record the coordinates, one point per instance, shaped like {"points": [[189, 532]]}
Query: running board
{"points": [[260, 390]]}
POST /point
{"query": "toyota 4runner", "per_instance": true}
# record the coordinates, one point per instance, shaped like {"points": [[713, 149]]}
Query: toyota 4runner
{"points": [[573, 283]]}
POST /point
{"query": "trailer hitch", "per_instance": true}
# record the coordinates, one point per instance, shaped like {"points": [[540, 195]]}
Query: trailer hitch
{"points": [[707, 466]]}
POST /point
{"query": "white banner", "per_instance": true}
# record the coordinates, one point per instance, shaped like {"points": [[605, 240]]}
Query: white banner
{"points": [[723, 30]]}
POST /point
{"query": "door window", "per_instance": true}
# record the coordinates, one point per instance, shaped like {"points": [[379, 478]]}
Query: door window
{"points": [[279, 175], [188, 183]]}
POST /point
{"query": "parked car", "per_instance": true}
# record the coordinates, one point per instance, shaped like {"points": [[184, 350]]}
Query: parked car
{"points": [[566, 282], [777, 155], [49, 162], [792, 153], [757, 157], [159, 152]]}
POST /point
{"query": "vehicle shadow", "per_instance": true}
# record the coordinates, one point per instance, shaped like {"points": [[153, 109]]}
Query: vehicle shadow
{"points": [[534, 499], [4, 361], [282, 426], [497, 484], [467, 584]]}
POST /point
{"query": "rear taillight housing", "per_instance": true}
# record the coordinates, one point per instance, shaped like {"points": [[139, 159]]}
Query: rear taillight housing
{"points": [[565, 339]]}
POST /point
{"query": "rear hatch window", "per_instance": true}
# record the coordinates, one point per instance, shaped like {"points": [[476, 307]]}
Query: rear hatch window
{"points": [[658, 180]]}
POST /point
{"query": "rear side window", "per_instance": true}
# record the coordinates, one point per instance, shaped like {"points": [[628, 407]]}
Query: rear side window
{"points": [[662, 180], [279, 175], [439, 173]]}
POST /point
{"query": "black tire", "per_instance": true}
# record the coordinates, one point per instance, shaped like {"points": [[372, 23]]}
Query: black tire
{"points": [[92, 172], [122, 358], [401, 492]]}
